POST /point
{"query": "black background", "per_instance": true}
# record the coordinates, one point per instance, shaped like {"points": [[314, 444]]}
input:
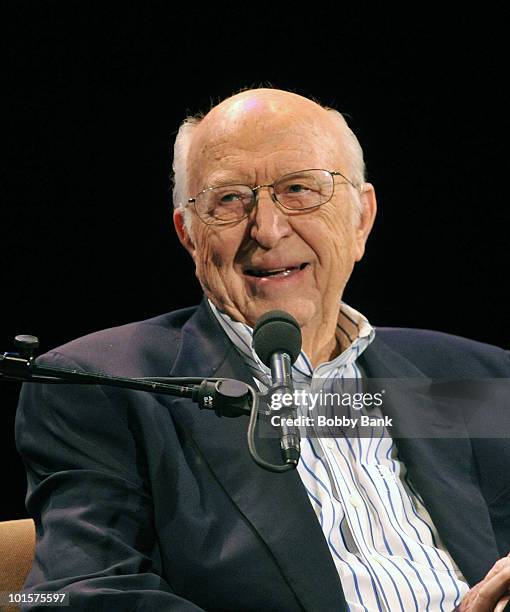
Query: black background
{"points": [[94, 92]]}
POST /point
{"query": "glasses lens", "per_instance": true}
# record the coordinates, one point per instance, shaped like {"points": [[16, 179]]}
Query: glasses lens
{"points": [[305, 189], [224, 204]]}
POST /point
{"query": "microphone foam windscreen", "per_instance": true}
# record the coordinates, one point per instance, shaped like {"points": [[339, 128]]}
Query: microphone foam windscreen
{"points": [[275, 331]]}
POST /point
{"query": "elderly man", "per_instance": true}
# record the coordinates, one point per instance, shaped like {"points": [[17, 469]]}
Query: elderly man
{"points": [[144, 503]]}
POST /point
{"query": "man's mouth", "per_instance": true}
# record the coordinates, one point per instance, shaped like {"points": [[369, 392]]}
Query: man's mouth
{"points": [[286, 271]]}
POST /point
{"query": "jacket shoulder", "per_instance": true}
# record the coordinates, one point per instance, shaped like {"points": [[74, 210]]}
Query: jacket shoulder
{"points": [[130, 348], [440, 352]]}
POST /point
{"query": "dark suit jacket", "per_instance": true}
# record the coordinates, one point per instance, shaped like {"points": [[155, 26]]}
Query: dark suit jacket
{"points": [[143, 502]]}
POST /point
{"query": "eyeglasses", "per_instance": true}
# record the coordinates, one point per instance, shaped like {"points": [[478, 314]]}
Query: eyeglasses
{"points": [[297, 191]]}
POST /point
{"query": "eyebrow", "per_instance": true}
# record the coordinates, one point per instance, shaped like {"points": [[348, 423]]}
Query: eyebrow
{"points": [[224, 178], [220, 179]]}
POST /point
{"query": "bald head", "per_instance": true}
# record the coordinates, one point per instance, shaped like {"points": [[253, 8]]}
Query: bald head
{"points": [[255, 106], [261, 114]]}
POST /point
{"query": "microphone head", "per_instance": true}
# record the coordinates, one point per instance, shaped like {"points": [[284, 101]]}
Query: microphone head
{"points": [[276, 331]]}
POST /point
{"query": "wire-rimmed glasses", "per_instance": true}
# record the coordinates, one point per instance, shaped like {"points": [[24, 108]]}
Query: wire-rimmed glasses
{"points": [[297, 191]]}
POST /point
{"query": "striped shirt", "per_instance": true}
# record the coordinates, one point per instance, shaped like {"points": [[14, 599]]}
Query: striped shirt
{"points": [[386, 550]]}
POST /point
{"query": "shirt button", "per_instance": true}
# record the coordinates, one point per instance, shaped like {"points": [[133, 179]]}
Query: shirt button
{"points": [[330, 444], [384, 471], [355, 501]]}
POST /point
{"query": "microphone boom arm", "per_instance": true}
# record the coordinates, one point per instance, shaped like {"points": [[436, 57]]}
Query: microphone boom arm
{"points": [[227, 397]]}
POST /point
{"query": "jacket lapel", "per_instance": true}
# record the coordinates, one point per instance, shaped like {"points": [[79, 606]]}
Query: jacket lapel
{"points": [[433, 444], [276, 505]]}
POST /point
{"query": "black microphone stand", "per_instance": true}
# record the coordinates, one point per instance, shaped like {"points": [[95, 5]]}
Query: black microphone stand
{"points": [[226, 396]]}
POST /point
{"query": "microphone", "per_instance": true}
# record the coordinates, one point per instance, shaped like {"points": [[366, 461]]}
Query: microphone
{"points": [[277, 342]]}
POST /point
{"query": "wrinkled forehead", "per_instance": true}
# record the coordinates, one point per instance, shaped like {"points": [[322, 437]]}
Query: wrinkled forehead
{"points": [[261, 124]]}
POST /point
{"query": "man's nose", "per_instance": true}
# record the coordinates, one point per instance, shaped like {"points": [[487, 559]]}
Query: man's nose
{"points": [[269, 224]]}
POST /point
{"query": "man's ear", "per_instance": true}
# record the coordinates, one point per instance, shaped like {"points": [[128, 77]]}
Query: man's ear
{"points": [[182, 232], [368, 210]]}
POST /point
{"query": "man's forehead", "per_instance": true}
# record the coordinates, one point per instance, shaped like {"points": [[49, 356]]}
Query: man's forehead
{"points": [[284, 132], [259, 117]]}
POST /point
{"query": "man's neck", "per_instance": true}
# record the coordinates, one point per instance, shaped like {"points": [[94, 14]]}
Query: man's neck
{"points": [[319, 350]]}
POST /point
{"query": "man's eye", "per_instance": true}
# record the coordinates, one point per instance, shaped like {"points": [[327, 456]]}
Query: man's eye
{"points": [[296, 188], [227, 198]]}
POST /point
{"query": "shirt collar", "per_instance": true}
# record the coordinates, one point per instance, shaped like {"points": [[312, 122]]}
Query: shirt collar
{"points": [[353, 332]]}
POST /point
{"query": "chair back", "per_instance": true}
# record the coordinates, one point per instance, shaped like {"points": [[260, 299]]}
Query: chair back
{"points": [[17, 546]]}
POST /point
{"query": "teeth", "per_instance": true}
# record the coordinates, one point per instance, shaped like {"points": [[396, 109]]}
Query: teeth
{"points": [[281, 271], [275, 272]]}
